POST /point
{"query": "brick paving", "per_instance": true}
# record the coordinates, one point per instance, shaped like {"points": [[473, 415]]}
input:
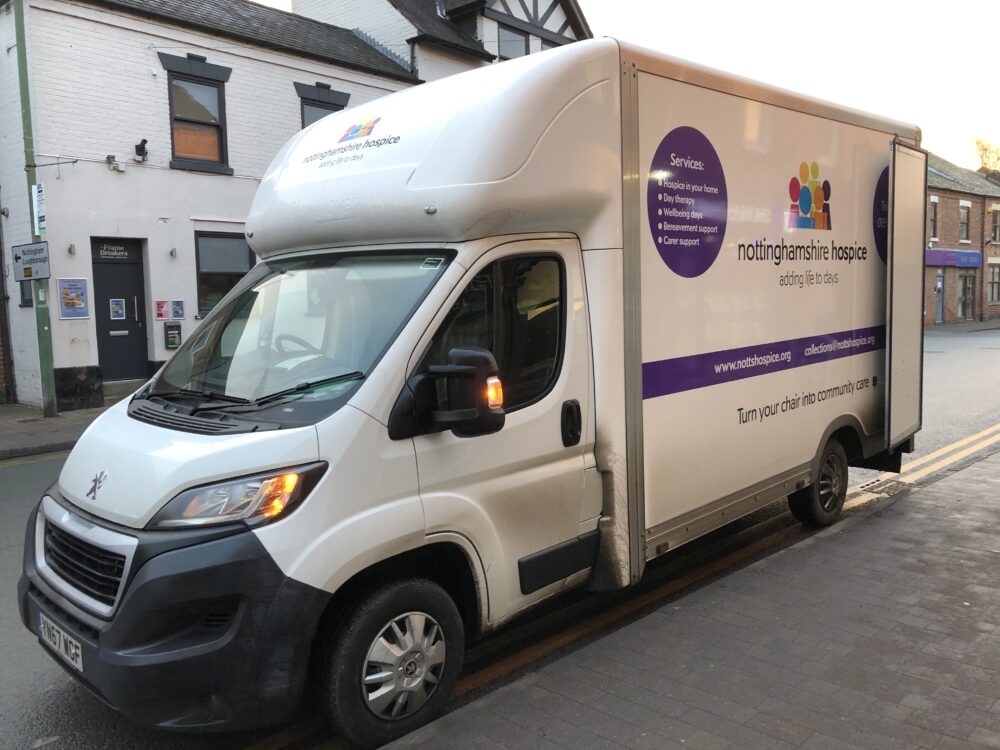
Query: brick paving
{"points": [[880, 632]]}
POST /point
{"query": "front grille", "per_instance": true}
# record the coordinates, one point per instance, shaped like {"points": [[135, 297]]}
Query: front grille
{"points": [[92, 570]]}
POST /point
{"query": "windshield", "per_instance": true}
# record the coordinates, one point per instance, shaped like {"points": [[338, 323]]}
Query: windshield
{"points": [[310, 328]]}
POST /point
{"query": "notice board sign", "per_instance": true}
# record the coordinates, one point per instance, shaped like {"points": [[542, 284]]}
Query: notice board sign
{"points": [[31, 261], [74, 304]]}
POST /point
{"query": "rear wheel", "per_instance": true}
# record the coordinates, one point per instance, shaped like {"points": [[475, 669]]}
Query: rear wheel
{"points": [[392, 666], [820, 504]]}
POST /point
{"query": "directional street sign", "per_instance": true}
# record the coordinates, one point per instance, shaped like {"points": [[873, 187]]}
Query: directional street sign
{"points": [[31, 261]]}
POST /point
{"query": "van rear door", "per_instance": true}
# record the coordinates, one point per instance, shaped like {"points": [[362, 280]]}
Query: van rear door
{"points": [[905, 292]]}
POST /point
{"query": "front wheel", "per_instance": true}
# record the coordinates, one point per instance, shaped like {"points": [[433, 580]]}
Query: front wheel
{"points": [[393, 665], [820, 504]]}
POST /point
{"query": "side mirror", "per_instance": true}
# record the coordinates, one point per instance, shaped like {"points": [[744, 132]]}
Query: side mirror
{"points": [[475, 398]]}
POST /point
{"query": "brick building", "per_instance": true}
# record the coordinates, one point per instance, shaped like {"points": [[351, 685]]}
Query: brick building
{"points": [[153, 122], [436, 38], [962, 260]]}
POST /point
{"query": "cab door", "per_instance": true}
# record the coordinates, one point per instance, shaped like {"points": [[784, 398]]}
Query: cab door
{"points": [[523, 496]]}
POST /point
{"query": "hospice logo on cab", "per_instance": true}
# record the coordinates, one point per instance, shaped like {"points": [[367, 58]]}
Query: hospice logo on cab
{"points": [[362, 130]]}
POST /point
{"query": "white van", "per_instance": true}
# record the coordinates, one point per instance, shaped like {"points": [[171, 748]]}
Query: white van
{"points": [[515, 331]]}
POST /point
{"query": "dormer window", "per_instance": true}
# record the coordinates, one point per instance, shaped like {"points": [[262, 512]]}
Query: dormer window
{"points": [[511, 42]]}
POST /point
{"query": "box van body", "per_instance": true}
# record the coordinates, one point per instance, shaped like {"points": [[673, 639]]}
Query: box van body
{"points": [[515, 331]]}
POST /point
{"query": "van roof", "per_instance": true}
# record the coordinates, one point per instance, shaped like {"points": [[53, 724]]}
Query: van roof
{"points": [[529, 145]]}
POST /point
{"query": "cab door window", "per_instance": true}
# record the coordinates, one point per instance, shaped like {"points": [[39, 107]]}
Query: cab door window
{"points": [[514, 308]]}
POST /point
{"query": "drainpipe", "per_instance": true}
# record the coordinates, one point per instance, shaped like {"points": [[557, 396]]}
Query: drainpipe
{"points": [[985, 266], [39, 288]]}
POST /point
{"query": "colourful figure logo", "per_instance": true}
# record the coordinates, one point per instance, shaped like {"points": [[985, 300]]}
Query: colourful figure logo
{"points": [[362, 130], [810, 207]]}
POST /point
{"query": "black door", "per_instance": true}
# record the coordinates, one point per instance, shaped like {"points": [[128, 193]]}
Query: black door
{"points": [[119, 307]]}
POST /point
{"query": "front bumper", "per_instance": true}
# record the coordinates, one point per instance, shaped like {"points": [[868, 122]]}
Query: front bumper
{"points": [[207, 635]]}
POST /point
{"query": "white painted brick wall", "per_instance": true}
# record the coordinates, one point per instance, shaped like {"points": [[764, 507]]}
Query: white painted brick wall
{"points": [[375, 17], [434, 62], [98, 88], [17, 225]]}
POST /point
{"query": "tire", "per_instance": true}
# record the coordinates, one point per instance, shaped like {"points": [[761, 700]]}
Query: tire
{"points": [[408, 638], [820, 504]]}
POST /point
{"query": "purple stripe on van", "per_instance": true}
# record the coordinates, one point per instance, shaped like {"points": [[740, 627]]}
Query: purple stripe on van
{"points": [[702, 370]]}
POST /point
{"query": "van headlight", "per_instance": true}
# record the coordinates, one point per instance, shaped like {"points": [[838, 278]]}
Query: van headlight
{"points": [[254, 500]]}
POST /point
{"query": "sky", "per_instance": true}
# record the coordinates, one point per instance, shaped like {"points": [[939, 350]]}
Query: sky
{"points": [[934, 70]]}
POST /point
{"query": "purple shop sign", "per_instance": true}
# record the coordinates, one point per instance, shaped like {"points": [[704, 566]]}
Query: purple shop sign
{"points": [[959, 258], [712, 368], [687, 202]]}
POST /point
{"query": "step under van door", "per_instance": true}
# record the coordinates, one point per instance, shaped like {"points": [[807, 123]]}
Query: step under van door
{"points": [[905, 293]]}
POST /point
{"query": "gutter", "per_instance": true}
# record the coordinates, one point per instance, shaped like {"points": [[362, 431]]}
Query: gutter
{"points": [[229, 34], [451, 46]]}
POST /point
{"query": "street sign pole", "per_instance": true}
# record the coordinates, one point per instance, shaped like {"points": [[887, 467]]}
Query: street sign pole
{"points": [[39, 287]]}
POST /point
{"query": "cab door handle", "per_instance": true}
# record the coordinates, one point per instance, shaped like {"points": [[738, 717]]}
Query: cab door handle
{"points": [[572, 422]]}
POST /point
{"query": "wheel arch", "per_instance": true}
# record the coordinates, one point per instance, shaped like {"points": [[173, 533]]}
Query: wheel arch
{"points": [[847, 431], [447, 559]]}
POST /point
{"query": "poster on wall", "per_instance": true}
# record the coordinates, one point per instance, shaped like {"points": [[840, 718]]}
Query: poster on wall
{"points": [[177, 309], [117, 308], [74, 304], [162, 309]]}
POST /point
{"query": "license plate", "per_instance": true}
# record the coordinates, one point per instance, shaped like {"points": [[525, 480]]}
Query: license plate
{"points": [[59, 641]]}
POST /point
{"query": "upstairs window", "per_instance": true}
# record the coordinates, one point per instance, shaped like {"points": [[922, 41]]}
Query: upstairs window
{"points": [[963, 221], [511, 42], [933, 216], [197, 113], [319, 101], [996, 223]]}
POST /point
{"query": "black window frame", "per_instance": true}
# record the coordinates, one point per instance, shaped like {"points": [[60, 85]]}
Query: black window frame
{"points": [[322, 96], [303, 103], [963, 225], [932, 216], [202, 311], [996, 225], [516, 32], [497, 304], [993, 284], [197, 69]]}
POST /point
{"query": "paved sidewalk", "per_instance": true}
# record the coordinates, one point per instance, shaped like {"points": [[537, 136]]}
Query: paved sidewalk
{"points": [[880, 632], [24, 432]]}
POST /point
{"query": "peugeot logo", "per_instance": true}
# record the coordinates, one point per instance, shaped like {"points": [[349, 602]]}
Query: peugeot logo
{"points": [[98, 482]]}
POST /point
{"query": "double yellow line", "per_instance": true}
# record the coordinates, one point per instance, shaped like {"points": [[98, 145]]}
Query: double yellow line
{"points": [[925, 465], [915, 470]]}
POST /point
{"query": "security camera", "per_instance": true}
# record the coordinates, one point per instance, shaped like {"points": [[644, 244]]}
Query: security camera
{"points": [[141, 154]]}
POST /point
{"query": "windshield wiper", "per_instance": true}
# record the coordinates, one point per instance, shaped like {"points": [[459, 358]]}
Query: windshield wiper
{"points": [[207, 395], [356, 375]]}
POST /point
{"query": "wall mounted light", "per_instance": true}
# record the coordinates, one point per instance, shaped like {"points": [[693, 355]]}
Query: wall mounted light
{"points": [[71, 249], [113, 164]]}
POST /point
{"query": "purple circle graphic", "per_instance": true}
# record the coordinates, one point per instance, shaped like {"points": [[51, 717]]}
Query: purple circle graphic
{"points": [[880, 214], [687, 202]]}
